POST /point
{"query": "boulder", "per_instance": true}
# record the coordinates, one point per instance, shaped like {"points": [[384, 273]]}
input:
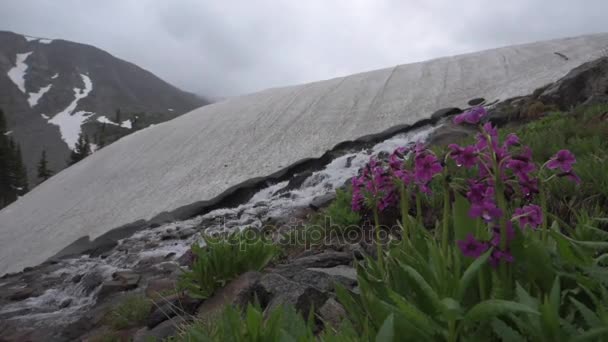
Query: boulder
{"points": [[162, 331], [332, 313], [90, 281], [324, 259], [322, 201], [578, 85], [17, 294], [169, 307], [477, 101], [156, 287], [123, 281], [284, 291], [239, 292], [445, 112]]}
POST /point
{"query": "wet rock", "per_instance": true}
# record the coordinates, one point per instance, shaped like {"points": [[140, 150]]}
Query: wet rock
{"points": [[123, 281], [477, 101], [90, 281], [76, 279], [162, 331], [323, 260], [445, 112], [151, 245], [187, 259], [284, 291], [449, 133], [169, 307], [239, 292], [578, 85], [169, 255], [17, 294], [332, 313], [158, 286], [65, 303], [168, 236], [186, 233], [322, 201]]}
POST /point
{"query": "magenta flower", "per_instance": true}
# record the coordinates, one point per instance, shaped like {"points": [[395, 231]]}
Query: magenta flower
{"points": [[479, 192], [497, 235], [404, 176], [426, 166], [498, 256], [463, 156], [531, 215], [472, 116], [511, 140], [563, 160], [572, 176], [487, 210], [529, 186], [471, 247]]}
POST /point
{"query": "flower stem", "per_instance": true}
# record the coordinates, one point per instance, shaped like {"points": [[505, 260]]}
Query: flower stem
{"points": [[419, 208], [378, 241], [543, 205], [405, 204], [446, 216]]}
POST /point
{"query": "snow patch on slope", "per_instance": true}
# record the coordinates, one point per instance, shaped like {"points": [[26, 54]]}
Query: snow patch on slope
{"points": [[44, 116], [54, 76], [17, 73], [125, 124], [35, 97], [69, 122]]}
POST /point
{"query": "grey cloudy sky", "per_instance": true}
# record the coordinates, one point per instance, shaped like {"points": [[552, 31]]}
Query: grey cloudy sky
{"points": [[225, 47]]}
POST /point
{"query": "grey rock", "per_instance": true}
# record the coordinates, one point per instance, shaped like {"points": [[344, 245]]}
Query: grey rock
{"points": [[90, 281], [239, 292], [171, 307], [445, 112], [322, 201], [477, 101], [332, 313], [284, 291], [578, 85], [162, 331]]}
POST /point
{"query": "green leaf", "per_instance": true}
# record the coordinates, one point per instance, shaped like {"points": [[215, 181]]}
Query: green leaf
{"points": [[418, 318], [451, 309], [556, 294], [387, 330], [505, 332], [589, 316], [489, 309], [425, 289], [592, 335], [470, 273], [463, 223]]}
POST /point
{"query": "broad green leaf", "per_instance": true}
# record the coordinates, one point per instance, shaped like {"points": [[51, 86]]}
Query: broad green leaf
{"points": [[589, 316], [592, 335], [452, 309], [489, 309], [470, 273], [425, 289], [463, 223], [387, 330], [505, 332]]}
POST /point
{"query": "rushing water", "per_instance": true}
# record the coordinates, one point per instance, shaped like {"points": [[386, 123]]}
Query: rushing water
{"points": [[65, 299]]}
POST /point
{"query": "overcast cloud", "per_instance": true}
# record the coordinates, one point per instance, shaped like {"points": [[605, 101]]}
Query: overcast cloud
{"points": [[224, 48]]}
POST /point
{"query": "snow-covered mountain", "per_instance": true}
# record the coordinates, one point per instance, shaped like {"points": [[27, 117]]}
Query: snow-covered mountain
{"points": [[178, 168], [51, 90]]}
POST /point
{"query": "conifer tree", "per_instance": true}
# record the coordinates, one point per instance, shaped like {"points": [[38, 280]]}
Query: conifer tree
{"points": [[44, 172], [81, 150], [118, 118], [13, 174]]}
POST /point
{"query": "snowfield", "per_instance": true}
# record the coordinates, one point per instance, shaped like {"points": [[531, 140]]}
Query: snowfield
{"points": [[35, 97], [69, 122], [201, 154], [17, 73]]}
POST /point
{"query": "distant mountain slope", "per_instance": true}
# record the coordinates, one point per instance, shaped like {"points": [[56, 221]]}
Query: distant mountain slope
{"points": [[50, 90]]}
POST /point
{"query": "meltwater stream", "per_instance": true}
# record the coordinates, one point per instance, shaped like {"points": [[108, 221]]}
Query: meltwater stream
{"points": [[65, 290]]}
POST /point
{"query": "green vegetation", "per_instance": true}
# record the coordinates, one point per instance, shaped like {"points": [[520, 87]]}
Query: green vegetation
{"points": [[13, 175], [44, 172], [224, 258], [131, 312], [340, 213], [533, 271], [81, 150]]}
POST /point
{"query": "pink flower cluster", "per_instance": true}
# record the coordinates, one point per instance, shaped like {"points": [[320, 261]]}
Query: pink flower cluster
{"points": [[378, 184], [512, 166]]}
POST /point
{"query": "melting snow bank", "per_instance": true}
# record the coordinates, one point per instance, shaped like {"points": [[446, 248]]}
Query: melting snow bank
{"points": [[17, 73], [35, 97], [69, 122], [60, 292]]}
